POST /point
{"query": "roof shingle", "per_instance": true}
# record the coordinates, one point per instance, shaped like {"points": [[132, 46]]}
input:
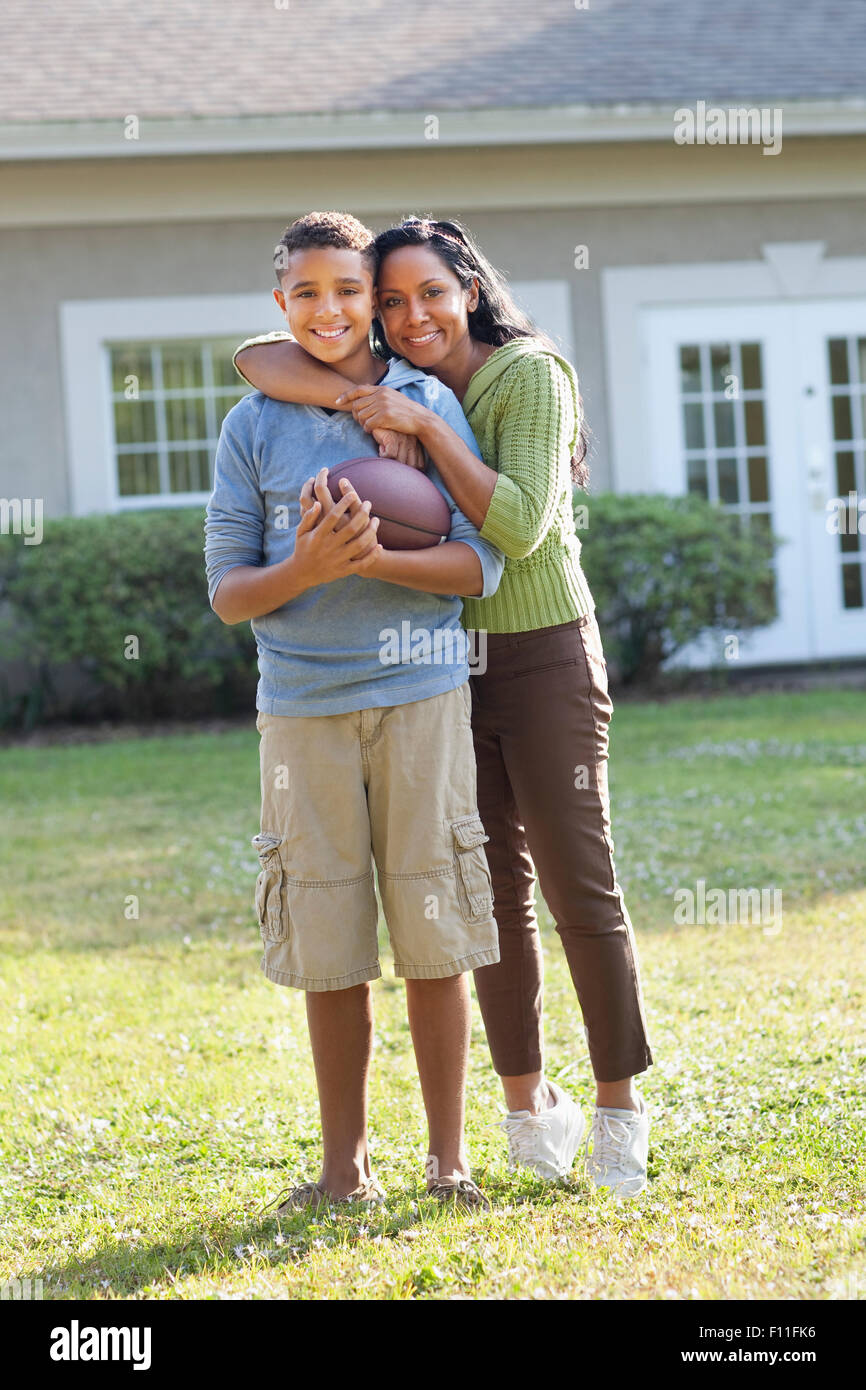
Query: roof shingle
{"points": [[105, 59]]}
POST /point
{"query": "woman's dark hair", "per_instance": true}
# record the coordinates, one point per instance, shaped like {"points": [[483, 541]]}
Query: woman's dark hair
{"points": [[496, 320]]}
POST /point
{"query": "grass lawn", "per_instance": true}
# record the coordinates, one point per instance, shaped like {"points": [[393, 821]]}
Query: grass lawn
{"points": [[157, 1090]]}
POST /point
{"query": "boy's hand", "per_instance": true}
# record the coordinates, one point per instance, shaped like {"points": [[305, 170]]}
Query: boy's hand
{"points": [[393, 444], [334, 539], [317, 490]]}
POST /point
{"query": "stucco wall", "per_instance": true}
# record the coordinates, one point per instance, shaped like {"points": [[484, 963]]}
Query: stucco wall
{"points": [[42, 266]]}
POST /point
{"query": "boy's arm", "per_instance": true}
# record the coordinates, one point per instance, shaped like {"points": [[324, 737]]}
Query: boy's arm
{"points": [[240, 587], [280, 368], [319, 557], [235, 517], [450, 568]]}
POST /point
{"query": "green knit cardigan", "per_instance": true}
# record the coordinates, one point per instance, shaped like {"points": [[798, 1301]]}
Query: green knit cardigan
{"points": [[523, 409]]}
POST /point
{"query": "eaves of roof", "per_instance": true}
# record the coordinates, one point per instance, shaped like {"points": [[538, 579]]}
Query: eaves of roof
{"points": [[401, 130]]}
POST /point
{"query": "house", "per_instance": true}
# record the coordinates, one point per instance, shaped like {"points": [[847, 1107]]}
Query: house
{"points": [[678, 193]]}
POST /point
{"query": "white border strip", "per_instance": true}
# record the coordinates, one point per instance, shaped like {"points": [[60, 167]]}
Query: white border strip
{"points": [[359, 130]]}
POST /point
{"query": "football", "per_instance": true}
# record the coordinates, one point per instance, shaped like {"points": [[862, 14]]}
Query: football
{"points": [[412, 512]]}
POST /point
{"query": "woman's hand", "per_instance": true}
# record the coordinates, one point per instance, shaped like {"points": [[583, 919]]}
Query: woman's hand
{"points": [[381, 407], [404, 447]]}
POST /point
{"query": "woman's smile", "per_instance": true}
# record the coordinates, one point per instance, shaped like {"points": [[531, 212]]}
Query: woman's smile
{"points": [[423, 339]]}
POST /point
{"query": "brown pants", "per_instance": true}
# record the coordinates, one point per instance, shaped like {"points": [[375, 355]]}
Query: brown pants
{"points": [[540, 716]]}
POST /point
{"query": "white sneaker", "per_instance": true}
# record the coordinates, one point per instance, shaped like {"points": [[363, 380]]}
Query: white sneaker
{"points": [[620, 1142], [546, 1143]]}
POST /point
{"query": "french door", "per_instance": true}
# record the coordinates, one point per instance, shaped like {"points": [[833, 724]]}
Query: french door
{"points": [[762, 409]]}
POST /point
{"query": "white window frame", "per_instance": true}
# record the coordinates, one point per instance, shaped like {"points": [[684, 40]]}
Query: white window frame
{"points": [[86, 329], [88, 326]]}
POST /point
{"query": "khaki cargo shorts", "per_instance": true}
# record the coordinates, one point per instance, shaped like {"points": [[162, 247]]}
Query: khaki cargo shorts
{"points": [[392, 786]]}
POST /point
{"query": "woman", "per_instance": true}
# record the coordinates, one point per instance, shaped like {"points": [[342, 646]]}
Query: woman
{"points": [[540, 707]]}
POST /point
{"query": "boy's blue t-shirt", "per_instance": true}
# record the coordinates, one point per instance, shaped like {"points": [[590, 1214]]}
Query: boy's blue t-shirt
{"points": [[355, 643]]}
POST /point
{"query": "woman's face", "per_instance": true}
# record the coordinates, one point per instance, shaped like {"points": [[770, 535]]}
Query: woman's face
{"points": [[422, 306]]}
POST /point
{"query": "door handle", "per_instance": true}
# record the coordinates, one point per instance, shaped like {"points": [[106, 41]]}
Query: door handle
{"points": [[816, 476]]}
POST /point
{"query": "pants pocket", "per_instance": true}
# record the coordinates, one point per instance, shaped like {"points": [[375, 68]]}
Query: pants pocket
{"points": [[271, 904], [474, 886]]}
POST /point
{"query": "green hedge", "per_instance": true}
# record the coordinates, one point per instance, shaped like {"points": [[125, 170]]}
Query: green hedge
{"points": [[664, 570], [73, 602]]}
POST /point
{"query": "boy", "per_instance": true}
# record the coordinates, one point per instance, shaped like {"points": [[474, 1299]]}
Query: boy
{"points": [[358, 753]]}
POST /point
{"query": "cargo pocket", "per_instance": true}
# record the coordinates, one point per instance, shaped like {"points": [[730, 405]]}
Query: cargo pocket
{"points": [[474, 886], [271, 905]]}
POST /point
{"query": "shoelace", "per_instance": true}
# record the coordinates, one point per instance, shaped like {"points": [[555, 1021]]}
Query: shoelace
{"points": [[307, 1188], [522, 1134], [463, 1188], [608, 1145], [366, 1191]]}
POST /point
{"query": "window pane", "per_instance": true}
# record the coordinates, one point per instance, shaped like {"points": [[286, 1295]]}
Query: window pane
{"points": [[852, 586], [690, 369], [849, 540], [134, 422], [186, 419], [181, 367], [189, 470], [224, 373], [838, 349], [758, 488], [697, 477], [132, 360], [729, 487], [194, 385], [138, 474], [694, 422], [750, 355], [861, 360], [845, 478], [723, 420], [755, 423], [842, 417], [224, 403], [720, 365]]}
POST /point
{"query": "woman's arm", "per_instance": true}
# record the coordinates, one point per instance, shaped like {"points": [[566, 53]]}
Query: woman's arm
{"points": [[535, 437], [515, 505], [283, 370], [470, 482]]}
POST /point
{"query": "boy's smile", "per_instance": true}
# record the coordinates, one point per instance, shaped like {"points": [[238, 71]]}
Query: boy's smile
{"points": [[326, 296]]}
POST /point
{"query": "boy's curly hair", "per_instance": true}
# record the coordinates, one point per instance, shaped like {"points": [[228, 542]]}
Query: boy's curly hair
{"points": [[339, 229]]}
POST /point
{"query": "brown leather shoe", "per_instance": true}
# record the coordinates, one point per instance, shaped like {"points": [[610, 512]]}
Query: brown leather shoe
{"points": [[311, 1194], [461, 1191]]}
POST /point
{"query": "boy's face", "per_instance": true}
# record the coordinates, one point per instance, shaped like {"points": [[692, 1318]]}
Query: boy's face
{"points": [[326, 296]]}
